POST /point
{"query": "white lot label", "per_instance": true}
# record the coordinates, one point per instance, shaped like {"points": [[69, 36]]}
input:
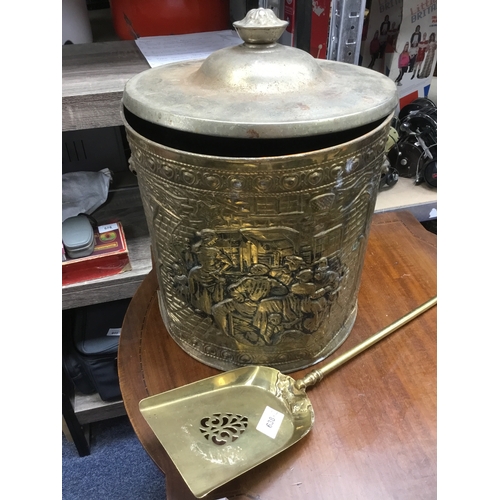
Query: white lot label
{"points": [[114, 332], [270, 422], [108, 227]]}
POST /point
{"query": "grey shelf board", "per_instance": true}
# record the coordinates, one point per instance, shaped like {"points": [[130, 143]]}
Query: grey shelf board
{"points": [[93, 79], [91, 408]]}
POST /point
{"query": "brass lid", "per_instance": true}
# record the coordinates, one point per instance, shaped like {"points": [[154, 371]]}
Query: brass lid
{"points": [[260, 89]]}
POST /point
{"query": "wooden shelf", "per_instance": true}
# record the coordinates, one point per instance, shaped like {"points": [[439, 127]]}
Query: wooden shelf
{"points": [[91, 408], [93, 79]]}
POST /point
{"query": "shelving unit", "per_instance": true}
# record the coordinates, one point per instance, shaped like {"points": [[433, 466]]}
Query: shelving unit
{"points": [[124, 205], [93, 79]]}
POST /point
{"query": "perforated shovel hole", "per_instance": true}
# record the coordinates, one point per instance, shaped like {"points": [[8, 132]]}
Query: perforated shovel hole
{"points": [[223, 428]]}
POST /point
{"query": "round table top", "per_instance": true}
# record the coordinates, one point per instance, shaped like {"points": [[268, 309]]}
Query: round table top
{"points": [[374, 435]]}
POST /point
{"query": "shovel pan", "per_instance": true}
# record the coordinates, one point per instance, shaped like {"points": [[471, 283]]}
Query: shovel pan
{"points": [[218, 428]]}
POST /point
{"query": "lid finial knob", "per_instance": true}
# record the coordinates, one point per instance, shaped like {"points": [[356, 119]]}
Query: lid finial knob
{"points": [[260, 26]]}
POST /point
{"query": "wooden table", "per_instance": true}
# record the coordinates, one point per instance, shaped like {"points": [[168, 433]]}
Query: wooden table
{"points": [[375, 431]]}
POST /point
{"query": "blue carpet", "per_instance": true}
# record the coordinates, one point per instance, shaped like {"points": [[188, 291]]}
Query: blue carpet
{"points": [[118, 467]]}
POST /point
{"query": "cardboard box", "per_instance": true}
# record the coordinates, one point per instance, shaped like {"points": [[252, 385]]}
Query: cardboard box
{"points": [[110, 257]]}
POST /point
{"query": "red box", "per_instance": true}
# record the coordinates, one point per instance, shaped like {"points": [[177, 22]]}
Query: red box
{"points": [[135, 18], [110, 257]]}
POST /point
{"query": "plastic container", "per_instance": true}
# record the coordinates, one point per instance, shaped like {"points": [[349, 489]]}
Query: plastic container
{"points": [[78, 237]]}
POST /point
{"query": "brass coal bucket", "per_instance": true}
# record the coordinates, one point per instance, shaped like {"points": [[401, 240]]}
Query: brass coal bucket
{"points": [[259, 170]]}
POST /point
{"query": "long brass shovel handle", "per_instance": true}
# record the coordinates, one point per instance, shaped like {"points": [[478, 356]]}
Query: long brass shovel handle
{"points": [[316, 375]]}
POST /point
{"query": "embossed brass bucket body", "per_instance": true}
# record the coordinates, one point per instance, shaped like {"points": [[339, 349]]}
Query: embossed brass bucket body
{"points": [[259, 211], [259, 260]]}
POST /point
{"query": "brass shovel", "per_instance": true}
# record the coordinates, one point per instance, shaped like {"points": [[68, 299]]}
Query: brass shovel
{"points": [[218, 428]]}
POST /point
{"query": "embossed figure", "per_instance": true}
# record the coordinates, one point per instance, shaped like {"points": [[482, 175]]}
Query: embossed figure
{"points": [[286, 274], [322, 272], [179, 279], [311, 303], [206, 285], [186, 254], [303, 308], [287, 307], [246, 295], [208, 237], [274, 329], [326, 279]]}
